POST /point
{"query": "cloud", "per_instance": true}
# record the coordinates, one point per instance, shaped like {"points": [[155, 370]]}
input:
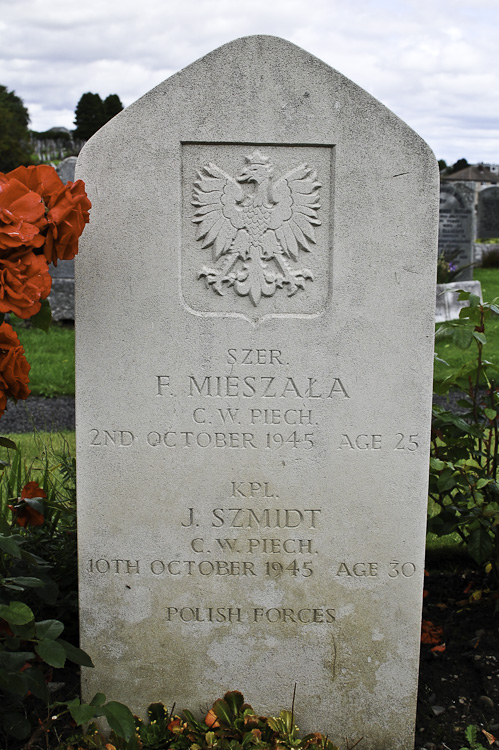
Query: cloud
{"points": [[432, 63]]}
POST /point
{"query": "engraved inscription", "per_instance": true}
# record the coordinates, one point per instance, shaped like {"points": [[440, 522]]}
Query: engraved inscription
{"points": [[256, 227]]}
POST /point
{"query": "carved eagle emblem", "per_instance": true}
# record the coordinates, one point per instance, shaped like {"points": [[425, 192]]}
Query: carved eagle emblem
{"points": [[256, 226]]}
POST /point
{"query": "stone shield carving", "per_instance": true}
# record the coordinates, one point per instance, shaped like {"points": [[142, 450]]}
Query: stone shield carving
{"points": [[256, 244]]}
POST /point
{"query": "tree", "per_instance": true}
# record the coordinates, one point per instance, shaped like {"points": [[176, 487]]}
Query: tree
{"points": [[15, 146], [89, 115], [442, 164], [112, 106], [92, 113], [459, 164]]}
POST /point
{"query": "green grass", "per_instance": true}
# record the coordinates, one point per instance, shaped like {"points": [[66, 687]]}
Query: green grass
{"points": [[39, 453], [52, 359], [489, 279]]}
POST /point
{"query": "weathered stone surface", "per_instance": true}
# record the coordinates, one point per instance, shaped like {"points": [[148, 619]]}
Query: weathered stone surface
{"points": [[457, 225], [253, 414], [488, 213]]}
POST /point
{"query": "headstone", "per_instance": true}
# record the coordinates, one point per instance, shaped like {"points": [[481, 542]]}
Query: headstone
{"points": [[255, 306], [448, 304], [488, 213], [66, 169], [456, 233], [62, 294]]}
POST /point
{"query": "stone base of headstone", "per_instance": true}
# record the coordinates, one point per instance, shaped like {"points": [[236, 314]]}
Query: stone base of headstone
{"points": [[448, 303]]}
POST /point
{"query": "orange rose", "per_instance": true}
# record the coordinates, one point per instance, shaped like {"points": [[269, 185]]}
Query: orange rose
{"points": [[24, 281], [67, 216], [29, 513], [67, 209], [22, 215], [14, 367]]}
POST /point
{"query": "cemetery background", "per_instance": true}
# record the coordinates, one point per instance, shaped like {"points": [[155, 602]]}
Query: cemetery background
{"points": [[487, 667]]}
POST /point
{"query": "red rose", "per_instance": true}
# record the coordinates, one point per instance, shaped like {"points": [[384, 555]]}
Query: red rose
{"points": [[22, 215], [24, 281], [14, 367], [67, 209]]}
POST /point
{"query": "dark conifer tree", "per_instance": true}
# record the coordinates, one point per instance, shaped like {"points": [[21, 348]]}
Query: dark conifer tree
{"points": [[112, 106], [89, 116], [15, 145]]}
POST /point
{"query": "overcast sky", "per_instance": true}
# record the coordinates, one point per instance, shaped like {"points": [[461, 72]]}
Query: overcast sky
{"points": [[435, 63]]}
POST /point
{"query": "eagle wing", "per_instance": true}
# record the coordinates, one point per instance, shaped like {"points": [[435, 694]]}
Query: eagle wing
{"points": [[294, 216], [216, 196]]}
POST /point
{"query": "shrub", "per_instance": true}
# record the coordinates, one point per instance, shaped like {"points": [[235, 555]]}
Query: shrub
{"points": [[490, 259], [464, 460]]}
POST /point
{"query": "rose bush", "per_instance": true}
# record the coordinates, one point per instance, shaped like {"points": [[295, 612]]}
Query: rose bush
{"points": [[66, 209], [41, 220], [14, 367]]}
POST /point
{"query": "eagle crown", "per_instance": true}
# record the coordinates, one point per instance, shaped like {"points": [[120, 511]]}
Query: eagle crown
{"points": [[258, 168]]}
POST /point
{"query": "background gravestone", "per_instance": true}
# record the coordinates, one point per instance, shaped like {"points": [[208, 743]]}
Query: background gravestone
{"points": [[62, 294], [255, 302], [63, 286], [488, 213], [66, 169], [456, 234]]}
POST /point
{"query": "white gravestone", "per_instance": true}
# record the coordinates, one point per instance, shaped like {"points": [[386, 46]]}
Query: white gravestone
{"points": [[255, 302]]}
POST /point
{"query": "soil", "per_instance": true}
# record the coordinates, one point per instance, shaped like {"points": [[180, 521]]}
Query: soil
{"points": [[42, 414], [458, 684]]}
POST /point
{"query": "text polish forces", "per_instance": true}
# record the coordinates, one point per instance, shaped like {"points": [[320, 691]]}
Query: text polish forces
{"points": [[272, 615]]}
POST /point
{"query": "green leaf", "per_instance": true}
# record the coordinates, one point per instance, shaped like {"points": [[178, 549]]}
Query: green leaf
{"points": [[10, 546], [18, 684], [16, 613], [7, 443], [479, 337], [43, 318], [446, 481], [51, 652], [15, 724], [48, 629], [27, 582], [462, 337], [98, 700], [471, 733], [81, 712], [490, 413], [222, 712], [80, 657], [36, 503], [36, 683], [480, 545], [13, 661], [24, 631], [482, 483], [437, 464], [120, 719]]}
